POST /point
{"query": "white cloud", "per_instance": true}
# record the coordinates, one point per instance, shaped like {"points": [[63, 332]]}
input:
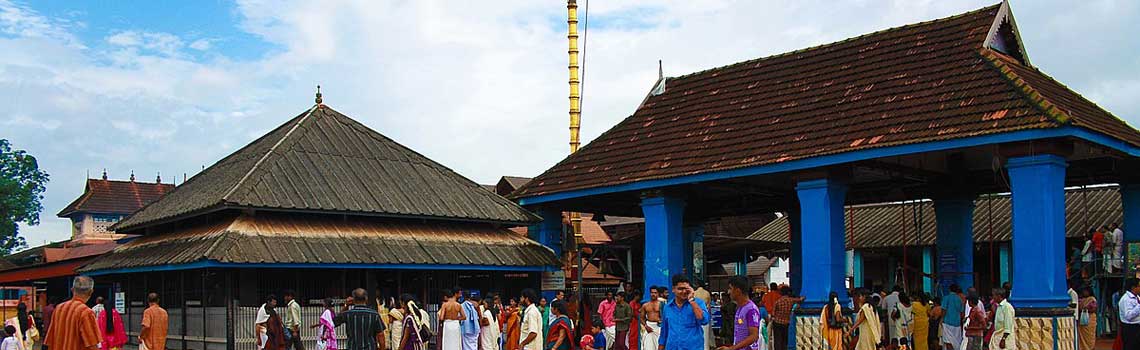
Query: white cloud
{"points": [[200, 45], [483, 94]]}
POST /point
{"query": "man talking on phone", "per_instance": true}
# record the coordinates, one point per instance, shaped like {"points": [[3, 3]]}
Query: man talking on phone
{"points": [[683, 318]]}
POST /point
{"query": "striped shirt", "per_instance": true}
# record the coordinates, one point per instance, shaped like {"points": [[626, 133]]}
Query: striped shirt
{"points": [[362, 325], [74, 327]]}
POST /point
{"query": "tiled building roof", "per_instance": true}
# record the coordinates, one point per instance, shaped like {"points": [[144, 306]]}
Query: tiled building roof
{"points": [[324, 161], [115, 197], [319, 239], [931, 81], [895, 225]]}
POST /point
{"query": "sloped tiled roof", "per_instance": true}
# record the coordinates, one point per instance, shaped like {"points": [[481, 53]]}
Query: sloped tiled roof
{"points": [[302, 238], [924, 82], [324, 161], [115, 197], [894, 225]]}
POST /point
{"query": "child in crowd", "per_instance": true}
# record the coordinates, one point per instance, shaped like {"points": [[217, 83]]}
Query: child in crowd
{"points": [[597, 341], [10, 341]]}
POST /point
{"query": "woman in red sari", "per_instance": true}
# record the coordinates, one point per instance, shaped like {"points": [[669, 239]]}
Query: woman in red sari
{"points": [[560, 336], [114, 335]]}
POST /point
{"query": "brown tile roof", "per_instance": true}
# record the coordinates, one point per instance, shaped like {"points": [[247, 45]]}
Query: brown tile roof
{"points": [[311, 239], [324, 161], [917, 83], [115, 197], [894, 225]]}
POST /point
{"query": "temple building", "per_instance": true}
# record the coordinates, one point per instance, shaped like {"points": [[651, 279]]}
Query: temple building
{"points": [[103, 203], [321, 205], [945, 112]]}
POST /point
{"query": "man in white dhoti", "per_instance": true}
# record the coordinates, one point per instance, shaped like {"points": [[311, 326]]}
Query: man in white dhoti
{"points": [[451, 313], [650, 320]]}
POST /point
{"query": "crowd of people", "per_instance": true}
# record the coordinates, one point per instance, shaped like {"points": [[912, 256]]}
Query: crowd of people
{"points": [[674, 318], [74, 325]]}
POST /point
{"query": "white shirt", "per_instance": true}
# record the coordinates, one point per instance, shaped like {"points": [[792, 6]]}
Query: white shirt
{"points": [[532, 323], [1130, 308], [10, 343], [1118, 239], [1087, 252]]}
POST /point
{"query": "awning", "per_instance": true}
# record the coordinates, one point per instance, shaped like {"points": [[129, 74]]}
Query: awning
{"points": [[269, 240], [42, 271]]}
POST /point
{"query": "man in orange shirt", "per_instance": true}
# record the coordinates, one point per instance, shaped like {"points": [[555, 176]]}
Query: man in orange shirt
{"points": [[769, 299], [74, 322], [154, 323]]}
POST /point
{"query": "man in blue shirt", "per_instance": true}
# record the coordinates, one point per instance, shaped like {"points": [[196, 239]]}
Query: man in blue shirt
{"points": [[953, 306], [683, 318]]}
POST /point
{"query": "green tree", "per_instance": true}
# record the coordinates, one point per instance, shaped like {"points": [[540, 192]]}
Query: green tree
{"points": [[21, 189]]}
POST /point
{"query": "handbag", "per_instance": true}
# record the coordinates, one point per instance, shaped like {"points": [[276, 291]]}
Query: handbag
{"points": [[1084, 318]]}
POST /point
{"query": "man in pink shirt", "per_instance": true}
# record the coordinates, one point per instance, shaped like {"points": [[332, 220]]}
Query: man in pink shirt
{"points": [[606, 310]]}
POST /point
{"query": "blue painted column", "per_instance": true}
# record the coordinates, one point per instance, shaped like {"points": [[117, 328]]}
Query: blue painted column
{"points": [[795, 256], [857, 269], [927, 270], [548, 232], [1130, 198], [1003, 262], [821, 226], [955, 219], [1038, 191], [664, 239]]}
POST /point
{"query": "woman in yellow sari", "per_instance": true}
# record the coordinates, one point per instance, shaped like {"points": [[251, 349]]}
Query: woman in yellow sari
{"points": [[866, 323], [921, 324], [832, 322]]}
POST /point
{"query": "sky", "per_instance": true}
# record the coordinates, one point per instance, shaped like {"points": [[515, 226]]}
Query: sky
{"points": [[171, 87]]}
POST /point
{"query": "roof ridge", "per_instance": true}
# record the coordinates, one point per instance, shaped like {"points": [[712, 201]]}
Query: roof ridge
{"points": [[1028, 92], [279, 142], [834, 43]]}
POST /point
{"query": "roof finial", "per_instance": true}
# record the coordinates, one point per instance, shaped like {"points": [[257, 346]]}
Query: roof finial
{"points": [[320, 101], [104, 174], [158, 179], [132, 176], [660, 70]]}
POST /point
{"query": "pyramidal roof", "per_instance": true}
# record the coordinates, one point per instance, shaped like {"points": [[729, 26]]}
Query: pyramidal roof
{"points": [[324, 161]]}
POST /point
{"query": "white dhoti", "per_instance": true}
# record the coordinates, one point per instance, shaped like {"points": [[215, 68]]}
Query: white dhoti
{"points": [[709, 336], [452, 336], [952, 335], [649, 339], [610, 333]]}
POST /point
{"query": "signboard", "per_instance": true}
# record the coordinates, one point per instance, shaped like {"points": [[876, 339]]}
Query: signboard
{"points": [[121, 302], [553, 280]]}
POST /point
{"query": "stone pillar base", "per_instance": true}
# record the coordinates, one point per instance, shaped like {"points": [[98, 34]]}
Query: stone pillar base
{"points": [[1055, 330], [806, 329]]}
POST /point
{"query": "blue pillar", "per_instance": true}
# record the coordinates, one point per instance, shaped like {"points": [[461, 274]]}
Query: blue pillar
{"points": [[795, 256], [821, 225], [664, 239], [548, 232], [1130, 198], [1003, 262], [955, 219], [927, 270], [1038, 191], [742, 265], [857, 269]]}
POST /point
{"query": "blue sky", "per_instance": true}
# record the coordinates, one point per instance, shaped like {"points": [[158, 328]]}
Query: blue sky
{"points": [[172, 86]]}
